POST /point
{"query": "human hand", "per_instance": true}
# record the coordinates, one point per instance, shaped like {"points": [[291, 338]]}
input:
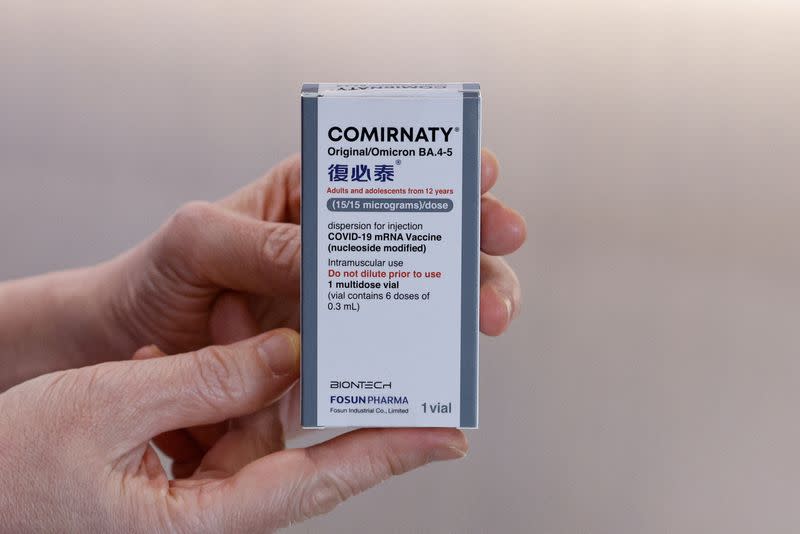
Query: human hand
{"points": [[210, 264], [219, 273], [75, 453]]}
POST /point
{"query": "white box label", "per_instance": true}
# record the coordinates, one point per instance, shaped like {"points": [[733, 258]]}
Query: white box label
{"points": [[389, 258]]}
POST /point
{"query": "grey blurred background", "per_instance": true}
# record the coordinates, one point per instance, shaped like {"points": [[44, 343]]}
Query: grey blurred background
{"points": [[651, 384]]}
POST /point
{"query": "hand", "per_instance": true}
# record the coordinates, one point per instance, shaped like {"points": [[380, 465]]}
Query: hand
{"points": [[211, 265], [219, 273], [75, 453]]}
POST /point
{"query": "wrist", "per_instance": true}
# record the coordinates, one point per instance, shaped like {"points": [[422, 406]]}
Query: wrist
{"points": [[52, 322]]}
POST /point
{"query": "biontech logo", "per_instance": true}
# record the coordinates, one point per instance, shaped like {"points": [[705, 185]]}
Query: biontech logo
{"points": [[360, 384]]}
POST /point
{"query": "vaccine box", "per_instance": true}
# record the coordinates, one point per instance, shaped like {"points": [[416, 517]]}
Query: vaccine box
{"points": [[390, 252]]}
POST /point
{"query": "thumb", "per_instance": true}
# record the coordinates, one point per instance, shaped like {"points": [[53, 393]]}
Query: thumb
{"points": [[296, 484], [144, 398]]}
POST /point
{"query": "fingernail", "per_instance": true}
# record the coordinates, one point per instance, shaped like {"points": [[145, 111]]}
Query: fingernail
{"points": [[509, 310], [506, 301], [281, 352], [448, 452], [148, 352]]}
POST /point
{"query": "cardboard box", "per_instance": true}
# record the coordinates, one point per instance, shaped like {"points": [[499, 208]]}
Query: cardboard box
{"points": [[391, 230]]}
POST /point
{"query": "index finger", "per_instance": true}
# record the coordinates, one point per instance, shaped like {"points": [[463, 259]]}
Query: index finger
{"points": [[274, 197]]}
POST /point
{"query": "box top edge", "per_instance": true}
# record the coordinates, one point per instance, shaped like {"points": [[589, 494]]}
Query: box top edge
{"points": [[437, 90]]}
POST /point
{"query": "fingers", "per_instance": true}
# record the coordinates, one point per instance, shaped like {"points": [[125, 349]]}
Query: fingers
{"points": [[222, 449], [186, 446], [296, 484], [231, 319], [252, 436], [177, 444], [503, 230], [275, 197], [490, 170], [208, 245], [500, 295], [249, 438], [153, 396]]}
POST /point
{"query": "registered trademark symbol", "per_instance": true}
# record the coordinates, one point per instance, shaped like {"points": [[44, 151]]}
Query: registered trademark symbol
{"points": [[397, 162], [458, 129]]}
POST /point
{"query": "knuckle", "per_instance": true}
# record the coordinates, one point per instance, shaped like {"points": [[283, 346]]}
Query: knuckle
{"points": [[326, 490], [192, 509], [323, 495], [385, 463], [194, 212], [392, 463], [185, 222], [281, 245], [327, 494], [219, 377]]}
